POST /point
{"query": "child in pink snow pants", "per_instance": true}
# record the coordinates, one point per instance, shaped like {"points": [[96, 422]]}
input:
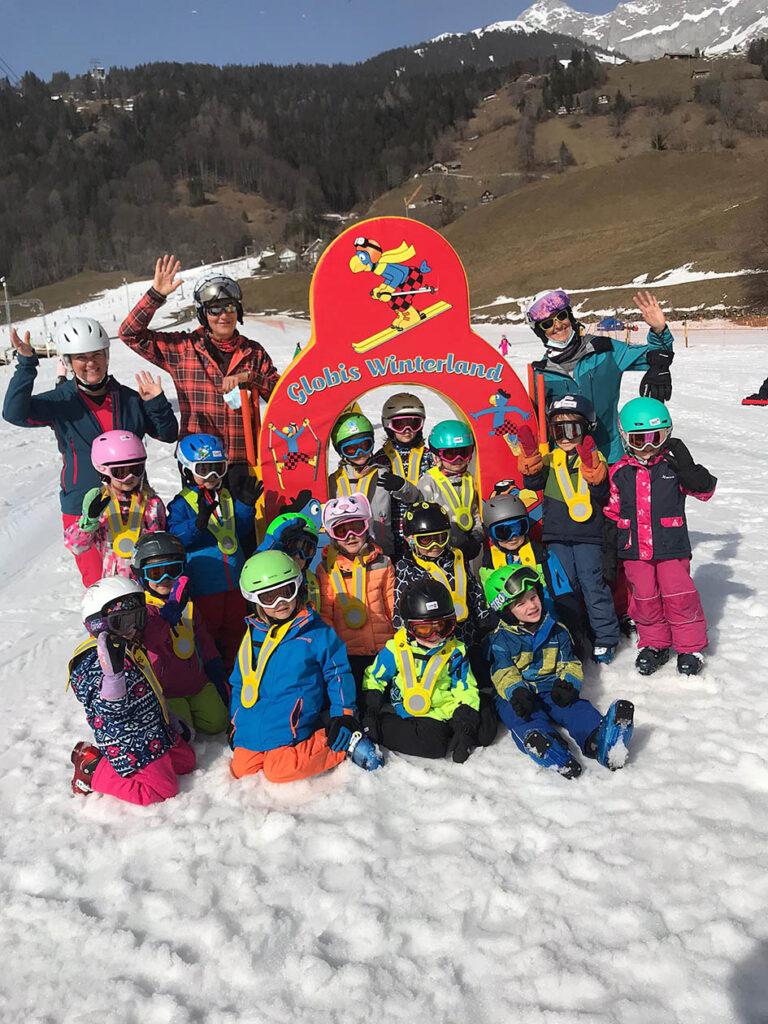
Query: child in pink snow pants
{"points": [[648, 489]]}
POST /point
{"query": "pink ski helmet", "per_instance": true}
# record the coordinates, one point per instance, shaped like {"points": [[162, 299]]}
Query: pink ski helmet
{"points": [[116, 448], [342, 510]]}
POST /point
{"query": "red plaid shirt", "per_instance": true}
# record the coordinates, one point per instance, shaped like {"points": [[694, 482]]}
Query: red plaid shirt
{"points": [[198, 380]]}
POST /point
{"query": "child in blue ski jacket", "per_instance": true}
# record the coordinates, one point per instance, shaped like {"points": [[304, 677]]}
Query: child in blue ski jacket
{"points": [[538, 681]]}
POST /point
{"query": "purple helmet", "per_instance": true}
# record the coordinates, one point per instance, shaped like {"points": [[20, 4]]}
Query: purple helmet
{"points": [[547, 303]]}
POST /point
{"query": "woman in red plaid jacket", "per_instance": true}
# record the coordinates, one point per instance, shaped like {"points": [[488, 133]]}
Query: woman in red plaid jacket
{"points": [[206, 363]]}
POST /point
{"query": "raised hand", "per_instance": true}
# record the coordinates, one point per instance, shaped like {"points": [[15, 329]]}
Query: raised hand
{"points": [[650, 311], [586, 451], [148, 386], [165, 280], [24, 348]]}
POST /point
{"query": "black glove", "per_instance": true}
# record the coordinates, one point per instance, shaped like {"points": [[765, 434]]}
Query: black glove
{"points": [[251, 489], [470, 544], [465, 722], [690, 475], [205, 511], [657, 380], [340, 730], [98, 505], [112, 648], [564, 693], [372, 702], [390, 481], [523, 702]]}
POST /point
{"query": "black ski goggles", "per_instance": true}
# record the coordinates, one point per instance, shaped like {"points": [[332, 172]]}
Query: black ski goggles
{"points": [[121, 617], [220, 308], [568, 430]]}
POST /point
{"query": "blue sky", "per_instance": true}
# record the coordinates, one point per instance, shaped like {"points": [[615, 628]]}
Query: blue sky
{"points": [[48, 35]]}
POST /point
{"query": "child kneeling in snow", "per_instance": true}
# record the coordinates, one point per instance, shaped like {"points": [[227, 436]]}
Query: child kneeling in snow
{"points": [[293, 695], [538, 679], [139, 750]]}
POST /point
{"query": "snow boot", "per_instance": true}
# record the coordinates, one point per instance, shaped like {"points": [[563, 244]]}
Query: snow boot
{"points": [[627, 626], [650, 660], [362, 751], [603, 654], [690, 664], [85, 757], [551, 751], [760, 397], [614, 734]]}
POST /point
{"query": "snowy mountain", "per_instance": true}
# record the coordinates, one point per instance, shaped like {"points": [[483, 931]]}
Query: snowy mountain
{"points": [[647, 29]]}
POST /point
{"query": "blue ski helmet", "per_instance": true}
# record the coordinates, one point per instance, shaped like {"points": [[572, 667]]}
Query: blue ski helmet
{"points": [[196, 448]]}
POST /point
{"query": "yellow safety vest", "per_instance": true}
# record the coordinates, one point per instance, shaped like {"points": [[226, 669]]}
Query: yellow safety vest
{"points": [[459, 590], [222, 522], [251, 675], [525, 556], [313, 589], [459, 505], [353, 608], [140, 660], [182, 635], [415, 456], [123, 535], [346, 487], [578, 500], [417, 692]]}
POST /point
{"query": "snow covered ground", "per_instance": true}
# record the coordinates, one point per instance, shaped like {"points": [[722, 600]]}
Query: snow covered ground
{"points": [[489, 892]]}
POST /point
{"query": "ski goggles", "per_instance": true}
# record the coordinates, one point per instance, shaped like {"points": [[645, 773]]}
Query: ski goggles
{"points": [[349, 528], [523, 583], [432, 629], [353, 447], [304, 547], [647, 438], [210, 470], [549, 322], [509, 528], [157, 572], [567, 430], [402, 423], [283, 593], [121, 617], [220, 308], [431, 540], [455, 455], [128, 471]]}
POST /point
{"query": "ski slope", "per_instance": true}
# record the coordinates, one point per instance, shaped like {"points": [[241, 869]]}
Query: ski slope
{"points": [[428, 892]]}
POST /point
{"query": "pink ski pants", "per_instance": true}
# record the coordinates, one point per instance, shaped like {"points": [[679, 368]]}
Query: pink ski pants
{"points": [[666, 605]]}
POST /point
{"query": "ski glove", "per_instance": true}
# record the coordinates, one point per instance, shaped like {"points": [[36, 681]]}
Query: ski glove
{"points": [[373, 701], [206, 510], [250, 490], [470, 544], [340, 730], [523, 702], [94, 503], [564, 693], [181, 727], [691, 476], [175, 602], [529, 461], [465, 722], [390, 481], [111, 653], [657, 380]]}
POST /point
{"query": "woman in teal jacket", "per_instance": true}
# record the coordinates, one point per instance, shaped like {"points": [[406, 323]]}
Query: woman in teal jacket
{"points": [[576, 362]]}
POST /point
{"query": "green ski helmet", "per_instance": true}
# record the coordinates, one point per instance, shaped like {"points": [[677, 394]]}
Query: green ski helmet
{"points": [[644, 416], [449, 434], [504, 585], [350, 425], [267, 569], [310, 526]]}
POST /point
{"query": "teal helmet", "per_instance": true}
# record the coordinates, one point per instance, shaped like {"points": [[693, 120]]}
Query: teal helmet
{"points": [[449, 434], [350, 425], [643, 423]]}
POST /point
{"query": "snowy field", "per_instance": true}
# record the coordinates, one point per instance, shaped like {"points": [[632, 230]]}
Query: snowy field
{"points": [[427, 892]]}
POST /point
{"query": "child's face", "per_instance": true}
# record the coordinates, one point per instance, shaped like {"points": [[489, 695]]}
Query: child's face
{"points": [[406, 428], [352, 545], [454, 461], [121, 487], [211, 484], [280, 612], [527, 609], [513, 544], [160, 589], [645, 453], [430, 545], [569, 444]]}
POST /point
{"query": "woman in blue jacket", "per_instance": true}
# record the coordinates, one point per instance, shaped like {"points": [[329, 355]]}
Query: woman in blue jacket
{"points": [[81, 409]]}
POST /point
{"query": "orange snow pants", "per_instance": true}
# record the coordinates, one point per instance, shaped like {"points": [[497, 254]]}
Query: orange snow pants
{"points": [[287, 764]]}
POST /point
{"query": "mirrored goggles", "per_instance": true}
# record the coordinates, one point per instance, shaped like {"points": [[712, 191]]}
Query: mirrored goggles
{"points": [[157, 572], [431, 540], [122, 617], [128, 471], [348, 528], [219, 308], [549, 322], [210, 470], [283, 593], [647, 438], [432, 629], [567, 430], [402, 423], [455, 455], [509, 528], [354, 447]]}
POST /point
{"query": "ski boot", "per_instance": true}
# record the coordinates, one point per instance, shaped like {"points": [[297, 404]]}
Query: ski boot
{"points": [[627, 626], [614, 734], [650, 660], [85, 757], [603, 654], [362, 751], [551, 751], [690, 664]]}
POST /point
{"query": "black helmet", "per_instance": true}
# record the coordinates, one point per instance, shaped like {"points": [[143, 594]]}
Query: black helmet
{"points": [[425, 517], [427, 600], [573, 405], [156, 545], [217, 289]]}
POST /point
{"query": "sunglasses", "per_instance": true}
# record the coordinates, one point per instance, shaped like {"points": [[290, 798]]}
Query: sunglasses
{"points": [[355, 446], [159, 571], [646, 438], [208, 470], [430, 540], [349, 528], [220, 308], [121, 617], [454, 455], [284, 593], [557, 318], [567, 430], [509, 528], [402, 423], [432, 629], [125, 472]]}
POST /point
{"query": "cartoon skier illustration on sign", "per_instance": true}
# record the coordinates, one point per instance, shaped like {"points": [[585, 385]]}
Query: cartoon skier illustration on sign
{"points": [[400, 282], [290, 434]]}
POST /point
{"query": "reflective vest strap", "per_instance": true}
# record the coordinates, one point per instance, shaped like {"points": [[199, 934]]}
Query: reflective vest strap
{"points": [[460, 505], [415, 456], [417, 692], [498, 557], [222, 522], [313, 589], [578, 500], [458, 590], [182, 635], [123, 535], [353, 608], [251, 676], [362, 484]]}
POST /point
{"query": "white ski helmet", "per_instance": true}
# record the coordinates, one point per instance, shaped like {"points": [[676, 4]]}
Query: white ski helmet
{"points": [[81, 334], [401, 404], [111, 596]]}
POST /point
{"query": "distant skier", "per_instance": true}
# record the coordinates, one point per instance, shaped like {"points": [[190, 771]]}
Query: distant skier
{"points": [[503, 346]]}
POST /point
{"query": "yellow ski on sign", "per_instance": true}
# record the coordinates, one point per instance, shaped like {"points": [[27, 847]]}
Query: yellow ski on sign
{"points": [[390, 332]]}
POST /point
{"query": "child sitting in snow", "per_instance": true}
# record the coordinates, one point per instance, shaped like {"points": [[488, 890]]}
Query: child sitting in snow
{"points": [[648, 488], [116, 514], [420, 694], [357, 582], [450, 484], [293, 696], [538, 680], [183, 655], [139, 751]]}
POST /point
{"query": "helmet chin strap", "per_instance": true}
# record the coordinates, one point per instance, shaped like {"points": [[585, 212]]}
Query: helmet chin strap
{"points": [[93, 388]]}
